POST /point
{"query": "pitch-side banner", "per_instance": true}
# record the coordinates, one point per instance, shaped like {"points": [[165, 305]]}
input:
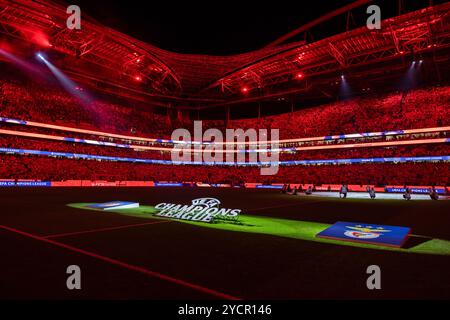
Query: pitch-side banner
{"points": [[25, 184], [367, 233]]}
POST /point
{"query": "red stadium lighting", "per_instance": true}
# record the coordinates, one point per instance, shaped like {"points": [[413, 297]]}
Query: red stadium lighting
{"points": [[138, 78], [244, 90], [300, 75], [41, 39]]}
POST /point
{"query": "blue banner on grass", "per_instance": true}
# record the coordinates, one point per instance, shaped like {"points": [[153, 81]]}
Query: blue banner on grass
{"points": [[367, 233]]}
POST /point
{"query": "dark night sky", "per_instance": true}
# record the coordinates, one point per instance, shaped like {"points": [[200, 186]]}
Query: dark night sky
{"points": [[218, 26]]}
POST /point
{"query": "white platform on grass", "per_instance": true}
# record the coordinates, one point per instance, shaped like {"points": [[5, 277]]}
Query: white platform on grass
{"points": [[115, 205]]}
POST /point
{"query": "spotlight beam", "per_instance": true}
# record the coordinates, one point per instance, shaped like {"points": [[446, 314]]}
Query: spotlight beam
{"points": [[22, 64], [69, 85]]}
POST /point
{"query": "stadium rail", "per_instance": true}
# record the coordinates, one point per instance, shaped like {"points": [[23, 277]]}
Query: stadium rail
{"points": [[175, 149], [220, 163], [153, 140]]}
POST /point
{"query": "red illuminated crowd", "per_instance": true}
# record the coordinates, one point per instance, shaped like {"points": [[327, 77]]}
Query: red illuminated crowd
{"points": [[49, 169], [418, 109], [422, 108]]}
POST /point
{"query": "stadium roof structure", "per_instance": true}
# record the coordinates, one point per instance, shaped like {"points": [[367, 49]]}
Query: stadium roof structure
{"points": [[121, 64]]}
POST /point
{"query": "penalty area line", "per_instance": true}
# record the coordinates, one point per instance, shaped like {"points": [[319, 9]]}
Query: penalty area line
{"points": [[60, 235], [124, 265]]}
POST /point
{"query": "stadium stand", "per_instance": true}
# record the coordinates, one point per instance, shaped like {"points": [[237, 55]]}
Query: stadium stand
{"points": [[418, 109], [421, 108], [49, 169]]}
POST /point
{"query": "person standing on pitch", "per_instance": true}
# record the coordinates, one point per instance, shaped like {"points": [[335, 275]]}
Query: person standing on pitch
{"points": [[372, 193], [433, 194], [407, 194], [343, 191]]}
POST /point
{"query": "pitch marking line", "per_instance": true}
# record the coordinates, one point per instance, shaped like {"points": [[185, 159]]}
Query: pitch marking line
{"points": [[125, 265], [60, 235]]}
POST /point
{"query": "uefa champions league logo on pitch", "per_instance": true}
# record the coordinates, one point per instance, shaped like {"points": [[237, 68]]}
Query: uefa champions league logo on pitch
{"points": [[201, 210], [368, 232], [207, 202]]}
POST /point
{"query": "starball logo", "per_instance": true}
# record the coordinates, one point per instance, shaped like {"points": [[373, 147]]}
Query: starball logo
{"points": [[201, 210], [251, 147]]}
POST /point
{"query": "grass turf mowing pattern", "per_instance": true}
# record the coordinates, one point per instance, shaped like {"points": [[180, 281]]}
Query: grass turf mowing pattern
{"points": [[301, 230]]}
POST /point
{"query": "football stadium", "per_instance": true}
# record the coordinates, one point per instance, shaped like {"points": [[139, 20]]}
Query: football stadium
{"points": [[311, 161]]}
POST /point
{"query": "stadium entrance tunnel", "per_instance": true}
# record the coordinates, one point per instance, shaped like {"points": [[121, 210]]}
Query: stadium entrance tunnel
{"points": [[294, 229]]}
